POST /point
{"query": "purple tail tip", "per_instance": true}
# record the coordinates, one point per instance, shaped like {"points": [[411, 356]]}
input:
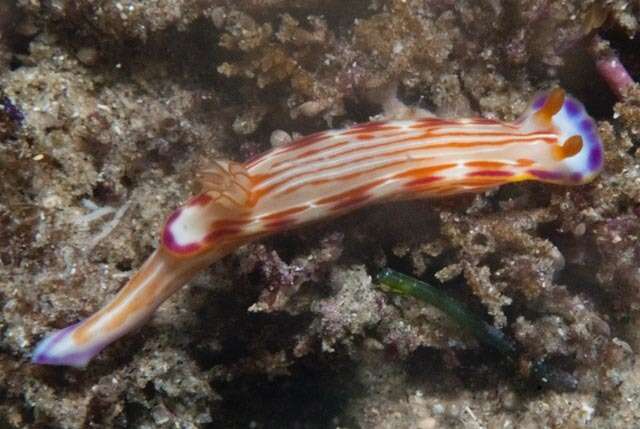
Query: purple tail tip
{"points": [[59, 348]]}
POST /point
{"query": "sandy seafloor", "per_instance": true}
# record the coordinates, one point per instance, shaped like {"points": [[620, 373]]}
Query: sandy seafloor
{"points": [[110, 106]]}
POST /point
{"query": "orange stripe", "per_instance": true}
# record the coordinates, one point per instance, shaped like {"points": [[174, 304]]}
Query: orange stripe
{"points": [[365, 136], [481, 181], [423, 172], [486, 164], [256, 179], [525, 162]]}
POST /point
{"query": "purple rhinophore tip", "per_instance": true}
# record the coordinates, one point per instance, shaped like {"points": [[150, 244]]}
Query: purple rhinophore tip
{"points": [[539, 102]]}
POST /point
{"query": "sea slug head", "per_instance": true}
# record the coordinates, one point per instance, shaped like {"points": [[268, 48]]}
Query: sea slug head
{"points": [[579, 156]]}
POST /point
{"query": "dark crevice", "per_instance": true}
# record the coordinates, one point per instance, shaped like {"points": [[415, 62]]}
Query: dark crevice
{"points": [[627, 49], [315, 395], [579, 77]]}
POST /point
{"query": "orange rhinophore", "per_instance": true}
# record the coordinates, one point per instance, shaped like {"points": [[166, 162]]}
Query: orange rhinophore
{"points": [[331, 173]]}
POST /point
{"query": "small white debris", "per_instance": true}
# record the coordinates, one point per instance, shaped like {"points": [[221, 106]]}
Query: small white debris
{"points": [[87, 55], [280, 138], [95, 214], [108, 227]]}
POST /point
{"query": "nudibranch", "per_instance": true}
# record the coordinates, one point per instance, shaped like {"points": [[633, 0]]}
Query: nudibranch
{"points": [[331, 173]]}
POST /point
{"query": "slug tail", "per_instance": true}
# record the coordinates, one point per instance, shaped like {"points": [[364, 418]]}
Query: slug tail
{"points": [[132, 306], [59, 348]]}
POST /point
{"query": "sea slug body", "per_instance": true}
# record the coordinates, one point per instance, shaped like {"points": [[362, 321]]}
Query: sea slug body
{"points": [[331, 173]]}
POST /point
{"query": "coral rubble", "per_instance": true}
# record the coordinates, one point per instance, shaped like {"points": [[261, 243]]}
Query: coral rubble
{"points": [[106, 110]]}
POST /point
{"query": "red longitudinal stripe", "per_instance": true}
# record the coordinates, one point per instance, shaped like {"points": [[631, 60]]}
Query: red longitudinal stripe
{"points": [[423, 181], [280, 224], [486, 121], [435, 122], [370, 127], [480, 181], [350, 194], [283, 213], [220, 233], [229, 223], [350, 202], [491, 173], [200, 200]]}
